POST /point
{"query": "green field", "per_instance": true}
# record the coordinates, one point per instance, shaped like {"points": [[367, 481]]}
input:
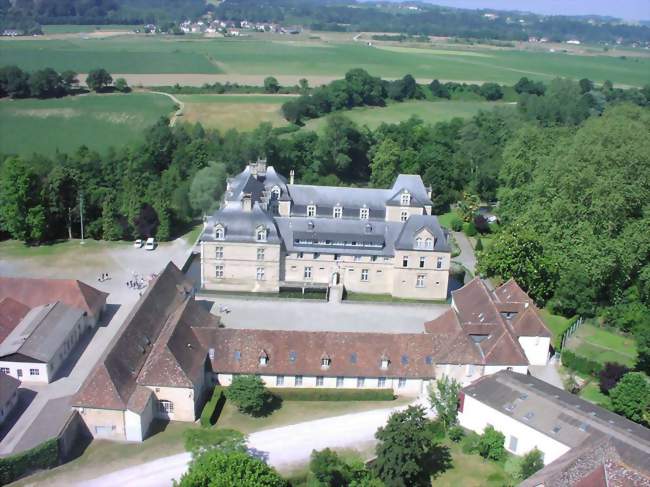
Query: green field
{"points": [[428, 111], [556, 323], [74, 29], [255, 56], [97, 121], [603, 345]]}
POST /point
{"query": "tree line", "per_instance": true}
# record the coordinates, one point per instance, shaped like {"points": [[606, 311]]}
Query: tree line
{"points": [[48, 83]]}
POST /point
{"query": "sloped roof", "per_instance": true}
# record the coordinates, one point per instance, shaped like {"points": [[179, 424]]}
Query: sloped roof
{"points": [[37, 292], [241, 225], [11, 313], [8, 386]]}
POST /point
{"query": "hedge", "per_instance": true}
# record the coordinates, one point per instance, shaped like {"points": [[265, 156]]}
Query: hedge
{"points": [[41, 457], [581, 364], [320, 394], [213, 407]]}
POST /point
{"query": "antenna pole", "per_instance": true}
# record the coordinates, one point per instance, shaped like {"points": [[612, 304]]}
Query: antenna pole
{"points": [[81, 215]]}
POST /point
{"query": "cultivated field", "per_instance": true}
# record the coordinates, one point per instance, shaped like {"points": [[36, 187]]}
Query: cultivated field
{"points": [[311, 58], [428, 111], [241, 112], [97, 121], [77, 29]]}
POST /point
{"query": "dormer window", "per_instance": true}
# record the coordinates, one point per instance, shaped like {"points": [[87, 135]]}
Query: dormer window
{"points": [[264, 358], [275, 193], [418, 243], [384, 363], [260, 234], [325, 361], [219, 232], [429, 243], [311, 210], [337, 212], [364, 213], [404, 215], [405, 199]]}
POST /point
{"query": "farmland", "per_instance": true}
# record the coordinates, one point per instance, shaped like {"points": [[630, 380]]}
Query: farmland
{"points": [[132, 54], [97, 121]]}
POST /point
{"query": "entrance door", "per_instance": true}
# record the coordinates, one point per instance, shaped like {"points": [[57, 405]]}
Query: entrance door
{"points": [[19, 372]]}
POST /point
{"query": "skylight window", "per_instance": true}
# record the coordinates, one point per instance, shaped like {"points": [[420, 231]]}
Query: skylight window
{"points": [[353, 357], [428, 360], [529, 415], [292, 356], [237, 355], [405, 359], [556, 429]]}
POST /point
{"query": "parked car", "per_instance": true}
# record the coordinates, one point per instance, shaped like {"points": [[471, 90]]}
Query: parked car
{"points": [[138, 243], [151, 244]]}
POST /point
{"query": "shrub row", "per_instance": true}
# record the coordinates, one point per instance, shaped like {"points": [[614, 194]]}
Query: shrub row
{"points": [[213, 407], [319, 394], [581, 364], [41, 457]]}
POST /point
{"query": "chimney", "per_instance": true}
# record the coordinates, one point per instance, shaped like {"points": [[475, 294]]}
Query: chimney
{"points": [[429, 191], [291, 176], [247, 202], [261, 167]]}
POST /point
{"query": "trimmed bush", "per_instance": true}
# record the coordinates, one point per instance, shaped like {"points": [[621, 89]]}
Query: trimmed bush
{"points": [[320, 394], [213, 407], [469, 229], [41, 457], [581, 364], [456, 224]]}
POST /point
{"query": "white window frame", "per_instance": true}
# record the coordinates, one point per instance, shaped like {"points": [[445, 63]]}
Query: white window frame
{"points": [[340, 381], [260, 274], [403, 216], [513, 440], [428, 243], [401, 383], [5, 370], [418, 243], [381, 382], [260, 234], [320, 380], [405, 199], [420, 281], [297, 381], [439, 262], [405, 261], [307, 273], [364, 213], [337, 212], [364, 275], [311, 210], [219, 232], [422, 262], [33, 372], [279, 380], [275, 193], [361, 382], [166, 406], [218, 252], [260, 253], [219, 271]]}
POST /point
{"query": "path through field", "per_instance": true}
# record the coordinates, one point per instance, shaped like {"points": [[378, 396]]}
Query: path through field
{"points": [[180, 104]]}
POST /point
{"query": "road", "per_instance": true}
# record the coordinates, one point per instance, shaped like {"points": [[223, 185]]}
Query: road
{"points": [[466, 258], [280, 447]]}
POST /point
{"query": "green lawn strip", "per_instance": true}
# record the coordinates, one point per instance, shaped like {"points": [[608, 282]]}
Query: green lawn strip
{"points": [[387, 298], [74, 29], [556, 323], [591, 392], [446, 218], [16, 249], [604, 345], [471, 470]]}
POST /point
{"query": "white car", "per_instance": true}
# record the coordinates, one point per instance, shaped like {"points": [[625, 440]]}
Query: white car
{"points": [[151, 244], [138, 243]]}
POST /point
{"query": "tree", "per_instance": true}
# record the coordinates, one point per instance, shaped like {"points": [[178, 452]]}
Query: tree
{"points": [[45, 83], [271, 85], [404, 449], [385, 163], [479, 245], [303, 85], [631, 397], [98, 79], [229, 469], [531, 462], [491, 444], [248, 393], [491, 91], [121, 85], [328, 468], [574, 293], [207, 188], [439, 90], [69, 80], [14, 82], [19, 194], [200, 440], [610, 375], [586, 85], [111, 228], [444, 400], [643, 350]]}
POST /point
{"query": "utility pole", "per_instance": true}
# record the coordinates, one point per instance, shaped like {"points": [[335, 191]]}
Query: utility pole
{"points": [[81, 215]]}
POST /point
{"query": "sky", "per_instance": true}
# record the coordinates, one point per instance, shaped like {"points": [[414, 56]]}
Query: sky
{"points": [[625, 9]]}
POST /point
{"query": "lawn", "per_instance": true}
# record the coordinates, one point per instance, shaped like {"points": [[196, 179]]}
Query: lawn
{"points": [[446, 218], [310, 59], [591, 392], [556, 323], [471, 470], [64, 124], [241, 112], [428, 111], [387, 298], [74, 29], [603, 345]]}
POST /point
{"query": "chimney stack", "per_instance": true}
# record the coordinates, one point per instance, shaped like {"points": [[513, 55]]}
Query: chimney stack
{"points": [[429, 191], [247, 202], [291, 176]]}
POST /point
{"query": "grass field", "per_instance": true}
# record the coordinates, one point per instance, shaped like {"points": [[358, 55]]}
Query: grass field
{"points": [[74, 29], [603, 345], [255, 56], [241, 112], [428, 111], [591, 392], [98, 121], [471, 470], [556, 323]]}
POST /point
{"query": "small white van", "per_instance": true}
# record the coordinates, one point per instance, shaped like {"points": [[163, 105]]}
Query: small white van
{"points": [[151, 244]]}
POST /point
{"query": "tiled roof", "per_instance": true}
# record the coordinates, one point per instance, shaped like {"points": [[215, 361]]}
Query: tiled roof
{"points": [[37, 292], [11, 313]]}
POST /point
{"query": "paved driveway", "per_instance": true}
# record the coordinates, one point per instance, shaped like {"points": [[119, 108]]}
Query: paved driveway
{"points": [[466, 257], [313, 315]]}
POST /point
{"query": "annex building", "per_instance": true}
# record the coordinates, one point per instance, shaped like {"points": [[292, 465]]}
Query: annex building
{"points": [[271, 234], [171, 351], [41, 322], [583, 444]]}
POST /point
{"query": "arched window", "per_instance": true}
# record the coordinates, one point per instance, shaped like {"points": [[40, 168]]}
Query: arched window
{"points": [[418, 243], [260, 234], [429, 243], [219, 232], [404, 216], [275, 193], [405, 199]]}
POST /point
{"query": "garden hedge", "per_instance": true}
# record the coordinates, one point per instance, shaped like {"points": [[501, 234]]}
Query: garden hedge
{"points": [[581, 364], [41, 457], [213, 407], [320, 394]]}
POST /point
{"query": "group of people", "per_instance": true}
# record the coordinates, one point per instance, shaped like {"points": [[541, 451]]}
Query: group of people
{"points": [[103, 277]]}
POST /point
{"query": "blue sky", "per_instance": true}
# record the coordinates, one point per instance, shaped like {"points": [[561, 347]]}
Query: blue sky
{"points": [[626, 9]]}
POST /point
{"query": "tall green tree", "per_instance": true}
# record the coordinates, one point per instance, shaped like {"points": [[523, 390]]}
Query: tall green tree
{"points": [[385, 163], [444, 400], [249, 394], [207, 188], [98, 79], [631, 397], [21, 216], [532, 462]]}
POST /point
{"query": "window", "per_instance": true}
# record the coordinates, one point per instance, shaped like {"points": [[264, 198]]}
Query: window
{"points": [[319, 381], [512, 446], [311, 210], [260, 274], [428, 360], [337, 257], [218, 271], [419, 282], [405, 261], [218, 252], [401, 383], [298, 380], [364, 275], [34, 372], [325, 362], [381, 382], [260, 235], [405, 199], [237, 355], [384, 363], [307, 273], [364, 213], [353, 358], [357, 258], [275, 193], [337, 212], [428, 243], [264, 359], [292, 356], [422, 261], [166, 407], [219, 232], [260, 254], [4, 370], [279, 380], [405, 359], [339, 382], [404, 216], [301, 255], [439, 263]]}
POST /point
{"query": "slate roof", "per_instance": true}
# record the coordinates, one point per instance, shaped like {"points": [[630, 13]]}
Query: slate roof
{"points": [[37, 292], [8, 387], [241, 225], [417, 223], [598, 437], [11, 313], [41, 333]]}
